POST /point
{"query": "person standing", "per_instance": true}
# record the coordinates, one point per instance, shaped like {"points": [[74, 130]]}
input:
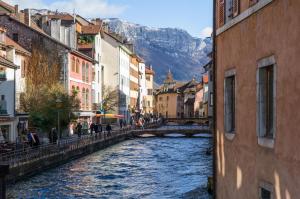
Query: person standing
{"points": [[79, 129], [92, 127]]}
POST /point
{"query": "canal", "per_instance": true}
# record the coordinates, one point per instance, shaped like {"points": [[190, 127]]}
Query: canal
{"points": [[141, 168]]}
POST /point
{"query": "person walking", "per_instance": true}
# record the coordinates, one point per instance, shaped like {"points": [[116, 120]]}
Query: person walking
{"points": [[121, 123], [108, 129], [79, 129], [92, 128]]}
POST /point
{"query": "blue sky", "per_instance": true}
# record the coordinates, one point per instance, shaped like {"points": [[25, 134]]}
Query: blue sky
{"points": [[195, 16]]}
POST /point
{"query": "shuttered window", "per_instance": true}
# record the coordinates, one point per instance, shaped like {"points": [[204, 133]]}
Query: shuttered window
{"points": [[221, 12]]}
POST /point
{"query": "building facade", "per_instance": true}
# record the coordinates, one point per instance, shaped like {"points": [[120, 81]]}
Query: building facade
{"points": [[258, 92], [134, 84], [149, 99]]}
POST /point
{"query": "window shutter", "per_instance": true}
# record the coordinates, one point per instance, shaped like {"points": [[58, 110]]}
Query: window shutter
{"points": [[236, 7], [221, 12]]}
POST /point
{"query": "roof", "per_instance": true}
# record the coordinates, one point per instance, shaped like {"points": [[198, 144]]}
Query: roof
{"points": [[7, 6], [91, 29], [205, 78], [149, 71], [64, 17], [18, 48], [7, 63]]}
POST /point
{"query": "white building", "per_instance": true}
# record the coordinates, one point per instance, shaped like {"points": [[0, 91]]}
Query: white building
{"points": [[143, 88], [7, 102]]}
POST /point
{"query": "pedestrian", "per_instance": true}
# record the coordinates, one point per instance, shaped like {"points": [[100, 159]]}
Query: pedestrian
{"points": [[92, 127], [108, 129], [79, 129], [100, 130], [121, 123]]}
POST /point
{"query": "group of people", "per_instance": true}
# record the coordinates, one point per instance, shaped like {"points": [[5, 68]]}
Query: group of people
{"points": [[94, 128]]}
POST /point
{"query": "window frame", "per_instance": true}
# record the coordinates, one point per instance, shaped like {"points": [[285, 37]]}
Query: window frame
{"points": [[263, 137], [268, 187], [230, 74]]}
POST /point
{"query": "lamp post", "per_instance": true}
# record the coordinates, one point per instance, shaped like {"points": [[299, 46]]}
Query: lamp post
{"points": [[58, 106]]}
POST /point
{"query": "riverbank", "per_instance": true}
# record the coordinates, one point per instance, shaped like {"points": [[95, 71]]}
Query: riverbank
{"points": [[24, 164]]}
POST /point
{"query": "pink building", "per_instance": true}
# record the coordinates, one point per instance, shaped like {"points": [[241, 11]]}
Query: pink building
{"points": [[80, 80]]}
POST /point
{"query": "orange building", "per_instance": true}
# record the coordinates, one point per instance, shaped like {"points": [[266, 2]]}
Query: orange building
{"points": [[258, 95]]}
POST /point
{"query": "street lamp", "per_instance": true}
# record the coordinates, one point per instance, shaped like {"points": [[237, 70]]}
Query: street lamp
{"points": [[58, 106]]}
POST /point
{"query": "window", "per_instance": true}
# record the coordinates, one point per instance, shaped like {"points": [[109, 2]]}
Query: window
{"points": [[87, 72], [94, 75], [3, 105], [150, 92], [148, 77], [98, 77], [160, 99], [16, 37], [73, 65], [149, 104], [83, 73], [77, 66], [2, 73], [23, 68], [83, 98], [167, 98], [87, 101], [265, 191], [229, 103], [2, 37], [266, 101]]}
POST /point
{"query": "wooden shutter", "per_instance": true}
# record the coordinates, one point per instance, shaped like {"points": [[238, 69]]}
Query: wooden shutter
{"points": [[221, 13], [236, 7]]}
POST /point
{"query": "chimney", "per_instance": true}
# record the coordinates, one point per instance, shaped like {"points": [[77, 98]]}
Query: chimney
{"points": [[27, 17], [16, 9]]}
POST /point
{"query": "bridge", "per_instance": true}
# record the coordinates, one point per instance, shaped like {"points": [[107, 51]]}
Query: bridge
{"points": [[190, 131], [183, 121]]}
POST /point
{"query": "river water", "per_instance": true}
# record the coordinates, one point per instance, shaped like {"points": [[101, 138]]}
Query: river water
{"points": [[153, 168]]}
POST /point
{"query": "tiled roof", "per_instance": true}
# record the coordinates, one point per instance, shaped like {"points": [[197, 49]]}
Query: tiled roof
{"points": [[205, 78], [7, 6], [91, 29], [19, 48], [65, 17], [7, 63], [149, 71]]}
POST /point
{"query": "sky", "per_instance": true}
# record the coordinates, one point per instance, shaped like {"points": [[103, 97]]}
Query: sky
{"points": [[194, 16]]}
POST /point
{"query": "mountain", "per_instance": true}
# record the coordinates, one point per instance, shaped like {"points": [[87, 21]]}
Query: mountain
{"points": [[166, 48]]}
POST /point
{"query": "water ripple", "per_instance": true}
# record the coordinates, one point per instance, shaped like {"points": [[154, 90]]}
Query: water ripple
{"points": [[143, 168]]}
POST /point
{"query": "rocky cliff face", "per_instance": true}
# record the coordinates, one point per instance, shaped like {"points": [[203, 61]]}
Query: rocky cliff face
{"points": [[166, 48]]}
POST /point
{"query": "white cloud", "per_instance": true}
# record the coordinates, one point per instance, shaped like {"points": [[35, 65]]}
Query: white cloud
{"points": [[89, 9], [206, 32]]}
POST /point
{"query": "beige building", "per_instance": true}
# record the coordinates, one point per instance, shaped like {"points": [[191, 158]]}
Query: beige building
{"points": [[149, 98], [258, 94], [169, 102]]}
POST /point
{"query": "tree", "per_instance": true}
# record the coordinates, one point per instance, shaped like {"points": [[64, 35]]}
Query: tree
{"points": [[110, 99], [43, 88]]}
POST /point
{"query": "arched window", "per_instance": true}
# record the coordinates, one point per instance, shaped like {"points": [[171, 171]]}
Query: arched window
{"points": [[87, 99], [77, 65], [87, 72], [83, 71], [73, 64], [83, 98]]}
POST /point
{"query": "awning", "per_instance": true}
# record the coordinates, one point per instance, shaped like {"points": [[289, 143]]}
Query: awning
{"points": [[85, 114], [110, 115]]}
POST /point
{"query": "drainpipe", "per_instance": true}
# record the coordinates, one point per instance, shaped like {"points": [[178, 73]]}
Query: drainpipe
{"points": [[214, 130]]}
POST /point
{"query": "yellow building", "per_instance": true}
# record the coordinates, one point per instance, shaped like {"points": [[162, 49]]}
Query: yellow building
{"points": [[169, 102]]}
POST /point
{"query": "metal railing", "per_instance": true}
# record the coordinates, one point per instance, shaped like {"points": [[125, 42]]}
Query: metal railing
{"points": [[18, 157]]}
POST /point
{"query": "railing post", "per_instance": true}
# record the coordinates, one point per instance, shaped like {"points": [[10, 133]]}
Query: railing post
{"points": [[4, 169]]}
